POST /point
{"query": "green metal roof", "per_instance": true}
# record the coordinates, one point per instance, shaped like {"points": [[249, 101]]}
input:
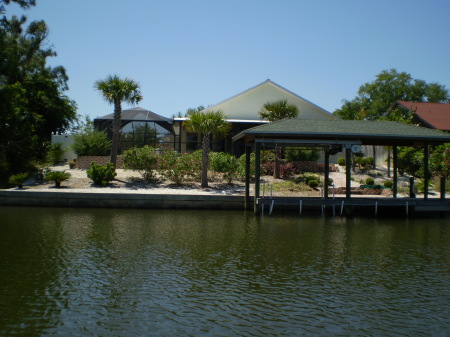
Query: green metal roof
{"points": [[367, 132]]}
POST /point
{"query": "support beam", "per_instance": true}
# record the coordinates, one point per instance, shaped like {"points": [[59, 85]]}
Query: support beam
{"points": [[257, 176], [395, 163], [348, 171], [426, 170], [443, 188], [247, 177], [327, 173]]}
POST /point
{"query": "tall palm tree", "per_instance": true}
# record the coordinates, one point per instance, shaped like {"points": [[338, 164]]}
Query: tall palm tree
{"points": [[275, 111], [209, 123], [116, 90]]}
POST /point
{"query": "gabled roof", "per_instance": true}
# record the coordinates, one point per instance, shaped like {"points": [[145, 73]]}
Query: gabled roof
{"points": [[246, 104], [137, 115], [433, 115], [365, 132]]}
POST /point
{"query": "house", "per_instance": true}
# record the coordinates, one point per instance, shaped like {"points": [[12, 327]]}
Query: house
{"points": [[430, 115], [242, 111]]}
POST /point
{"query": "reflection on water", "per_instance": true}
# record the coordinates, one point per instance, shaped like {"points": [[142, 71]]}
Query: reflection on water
{"points": [[184, 273]]}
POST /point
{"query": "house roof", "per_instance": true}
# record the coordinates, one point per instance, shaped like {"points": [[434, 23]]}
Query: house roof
{"points": [[433, 115], [361, 132], [137, 115], [246, 104]]}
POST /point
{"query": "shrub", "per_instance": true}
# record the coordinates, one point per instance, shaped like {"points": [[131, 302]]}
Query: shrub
{"points": [[180, 167], [143, 159], [57, 177], [91, 143], [313, 183], [18, 179], [55, 153], [330, 181], [226, 164], [388, 184], [341, 161], [370, 181], [101, 174], [295, 154], [241, 166]]}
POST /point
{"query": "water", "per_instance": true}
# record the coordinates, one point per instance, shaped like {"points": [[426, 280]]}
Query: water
{"points": [[84, 272]]}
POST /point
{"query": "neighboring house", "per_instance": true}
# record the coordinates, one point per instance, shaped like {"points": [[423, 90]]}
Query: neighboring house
{"points": [[430, 115], [242, 111]]}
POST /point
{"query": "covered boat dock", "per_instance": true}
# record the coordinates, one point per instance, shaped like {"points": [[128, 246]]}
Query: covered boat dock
{"points": [[342, 135]]}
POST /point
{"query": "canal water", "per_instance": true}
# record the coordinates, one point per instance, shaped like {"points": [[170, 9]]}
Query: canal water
{"points": [[86, 272]]}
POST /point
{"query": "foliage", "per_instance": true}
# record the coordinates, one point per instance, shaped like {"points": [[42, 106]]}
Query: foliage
{"points": [[375, 100], [101, 174], [296, 154], [341, 161], [419, 186], [56, 176], [370, 181], [116, 90], [278, 110], [178, 167], [440, 160], [388, 183], [55, 153], [91, 142], [209, 123], [241, 166], [143, 159], [313, 183], [18, 179], [226, 164], [32, 100], [410, 161], [286, 169]]}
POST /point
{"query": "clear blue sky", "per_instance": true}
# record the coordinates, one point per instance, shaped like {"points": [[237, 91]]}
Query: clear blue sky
{"points": [[186, 53]]}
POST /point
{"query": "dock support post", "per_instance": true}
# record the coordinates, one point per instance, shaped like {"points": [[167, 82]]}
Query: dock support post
{"points": [[342, 207], [300, 207], [257, 175], [327, 173], [376, 207], [348, 171], [426, 172], [407, 209], [442, 188], [411, 188], [395, 163], [247, 177]]}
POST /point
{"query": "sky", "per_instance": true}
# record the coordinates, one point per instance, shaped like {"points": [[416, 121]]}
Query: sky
{"points": [[187, 53]]}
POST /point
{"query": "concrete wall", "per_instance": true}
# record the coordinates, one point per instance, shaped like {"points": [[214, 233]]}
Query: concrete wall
{"points": [[119, 200]]}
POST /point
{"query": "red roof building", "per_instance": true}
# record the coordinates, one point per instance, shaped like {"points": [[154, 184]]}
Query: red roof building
{"points": [[431, 115]]}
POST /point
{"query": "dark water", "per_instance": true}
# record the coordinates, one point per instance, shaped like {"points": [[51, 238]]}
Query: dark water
{"points": [[72, 272]]}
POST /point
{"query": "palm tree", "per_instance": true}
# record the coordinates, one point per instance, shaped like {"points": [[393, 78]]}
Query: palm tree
{"points": [[275, 111], [209, 123], [115, 91]]}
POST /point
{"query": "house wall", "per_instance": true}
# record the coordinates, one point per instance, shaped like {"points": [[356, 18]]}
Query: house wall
{"points": [[67, 142], [247, 105]]}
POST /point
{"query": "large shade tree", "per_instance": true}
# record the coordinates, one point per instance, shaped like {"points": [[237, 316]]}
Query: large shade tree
{"points": [[209, 124], [32, 100], [375, 100], [275, 111], [116, 90]]}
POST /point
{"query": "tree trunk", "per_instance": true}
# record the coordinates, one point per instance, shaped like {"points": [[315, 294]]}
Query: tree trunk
{"points": [[115, 132], [205, 158], [276, 166]]}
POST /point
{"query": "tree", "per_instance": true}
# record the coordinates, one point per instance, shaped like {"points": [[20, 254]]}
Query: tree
{"points": [[375, 99], [209, 123], [115, 91], [275, 111], [32, 102]]}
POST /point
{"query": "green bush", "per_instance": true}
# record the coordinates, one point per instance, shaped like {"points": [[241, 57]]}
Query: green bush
{"points": [[91, 143], [388, 184], [241, 167], [55, 153], [178, 167], [313, 183], [57, 177], [224, 163], [330, 181], [143, 159], [370, 181], [295, 154], [18, 179], [101, 174], [341, 161]]}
